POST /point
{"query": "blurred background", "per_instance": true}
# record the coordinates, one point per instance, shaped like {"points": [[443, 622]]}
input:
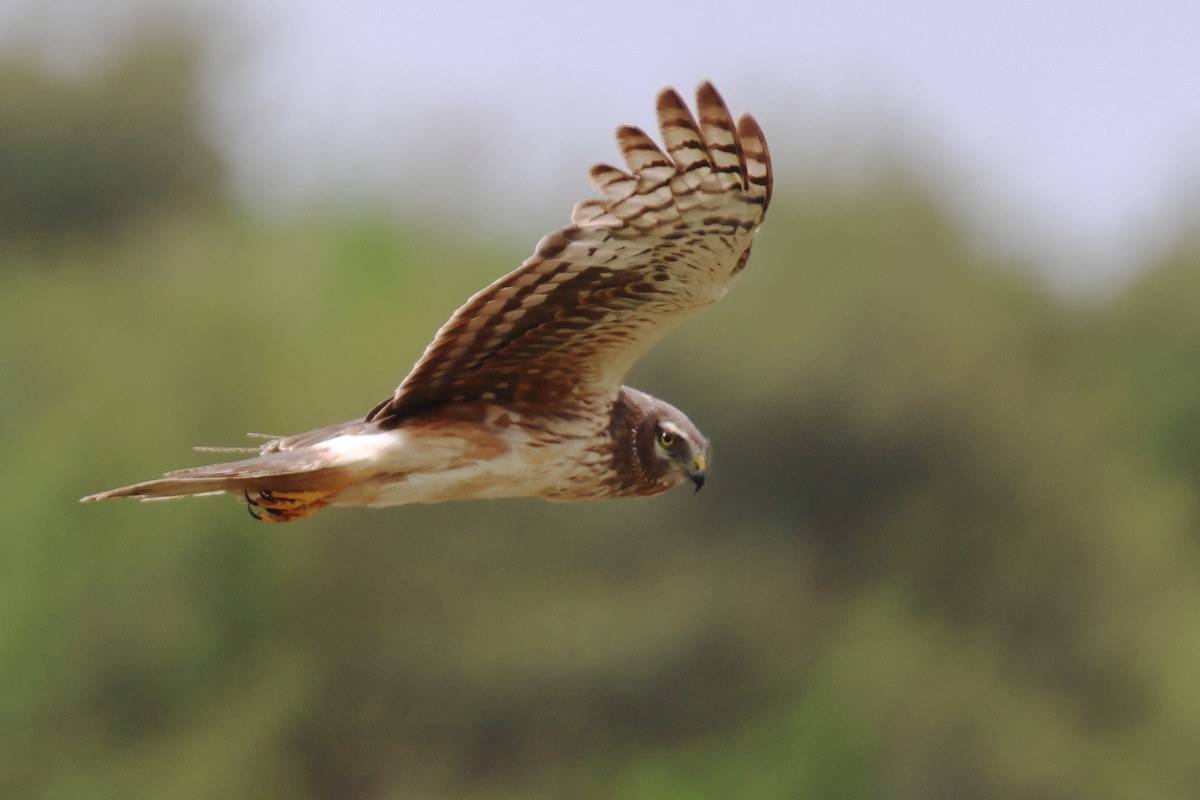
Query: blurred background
{"points": [[949, 544]]}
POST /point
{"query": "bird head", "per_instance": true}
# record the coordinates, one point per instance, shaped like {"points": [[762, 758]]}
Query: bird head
{"points": [[667, 449]]}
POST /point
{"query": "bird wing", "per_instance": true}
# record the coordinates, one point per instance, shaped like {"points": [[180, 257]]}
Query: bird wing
{"points": [[667, 238]]}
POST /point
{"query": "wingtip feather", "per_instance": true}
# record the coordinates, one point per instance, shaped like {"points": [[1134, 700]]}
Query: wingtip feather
{"points": [[758, 156], [707, 94], [720, 133]]}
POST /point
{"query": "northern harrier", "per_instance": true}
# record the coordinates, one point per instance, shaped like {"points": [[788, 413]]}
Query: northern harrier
{"points": [[520, 393]]}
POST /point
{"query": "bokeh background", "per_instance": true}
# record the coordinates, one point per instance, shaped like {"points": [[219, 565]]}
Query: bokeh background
{"points": [[949, 543]]}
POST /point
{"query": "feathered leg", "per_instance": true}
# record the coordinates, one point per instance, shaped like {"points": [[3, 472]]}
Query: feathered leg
{"points": [[268, 506]]}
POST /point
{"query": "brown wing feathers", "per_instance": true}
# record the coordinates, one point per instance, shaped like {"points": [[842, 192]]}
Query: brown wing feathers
{"points": [[665, 240], [758, 159]]}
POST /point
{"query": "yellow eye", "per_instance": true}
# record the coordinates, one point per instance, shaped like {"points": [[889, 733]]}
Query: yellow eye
{"points": [[667, 439]]}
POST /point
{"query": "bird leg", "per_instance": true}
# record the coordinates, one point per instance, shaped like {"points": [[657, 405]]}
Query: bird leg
{"points": [[268, 506]]}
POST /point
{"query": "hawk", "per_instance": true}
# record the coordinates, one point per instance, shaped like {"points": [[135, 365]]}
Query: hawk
{"points": [[520, 393]]}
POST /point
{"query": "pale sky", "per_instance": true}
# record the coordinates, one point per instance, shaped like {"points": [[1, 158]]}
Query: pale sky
{"points": [[1060, 128]]}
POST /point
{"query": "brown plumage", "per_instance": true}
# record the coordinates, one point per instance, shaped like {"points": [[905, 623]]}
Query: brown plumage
{"points": [[519, 393]]}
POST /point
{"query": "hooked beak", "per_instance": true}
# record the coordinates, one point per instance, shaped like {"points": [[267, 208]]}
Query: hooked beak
{"points": [[696, 473]]}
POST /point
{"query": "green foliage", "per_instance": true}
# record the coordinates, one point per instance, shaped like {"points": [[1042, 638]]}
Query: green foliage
{"points": [[947, 548], [90, 155], [931, 561]]}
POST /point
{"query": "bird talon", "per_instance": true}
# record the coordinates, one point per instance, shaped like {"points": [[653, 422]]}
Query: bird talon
{"points": [[268, 506], [250, 506]]}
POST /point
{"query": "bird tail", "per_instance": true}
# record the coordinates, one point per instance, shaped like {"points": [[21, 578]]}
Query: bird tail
{"points": [[278, 486]]}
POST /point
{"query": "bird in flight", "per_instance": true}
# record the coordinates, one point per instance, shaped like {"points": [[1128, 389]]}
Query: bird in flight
{"points": [[520, 393]]}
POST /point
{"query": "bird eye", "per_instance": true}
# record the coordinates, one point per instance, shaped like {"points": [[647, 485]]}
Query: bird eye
{"points": [[667, 439]]}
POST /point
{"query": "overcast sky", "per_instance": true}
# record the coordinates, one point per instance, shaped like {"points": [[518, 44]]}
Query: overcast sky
{"points": [[1062, 127]]}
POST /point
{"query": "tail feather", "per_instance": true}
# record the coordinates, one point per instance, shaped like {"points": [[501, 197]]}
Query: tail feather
{"points": [[164, 489], [290, 471]]}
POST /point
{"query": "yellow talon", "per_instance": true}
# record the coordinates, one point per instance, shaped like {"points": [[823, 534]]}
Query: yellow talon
{"points": [[268, 506]]}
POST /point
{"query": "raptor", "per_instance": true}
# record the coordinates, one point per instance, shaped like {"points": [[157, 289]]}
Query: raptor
{"points": [[520, 393]]}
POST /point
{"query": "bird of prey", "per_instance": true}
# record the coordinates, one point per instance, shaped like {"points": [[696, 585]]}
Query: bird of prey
{"points": [[520, 393]]}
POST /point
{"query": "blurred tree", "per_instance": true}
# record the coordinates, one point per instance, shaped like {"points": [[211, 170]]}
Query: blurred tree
{"points": [[88, 156], [932, 561], [1151, 345]]}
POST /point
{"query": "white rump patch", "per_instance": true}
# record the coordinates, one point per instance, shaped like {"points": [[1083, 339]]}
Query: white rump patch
{"points": [[366, 447]]}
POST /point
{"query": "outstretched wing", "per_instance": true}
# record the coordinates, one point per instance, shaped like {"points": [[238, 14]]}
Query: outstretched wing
{"points": [[666, 240]]}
